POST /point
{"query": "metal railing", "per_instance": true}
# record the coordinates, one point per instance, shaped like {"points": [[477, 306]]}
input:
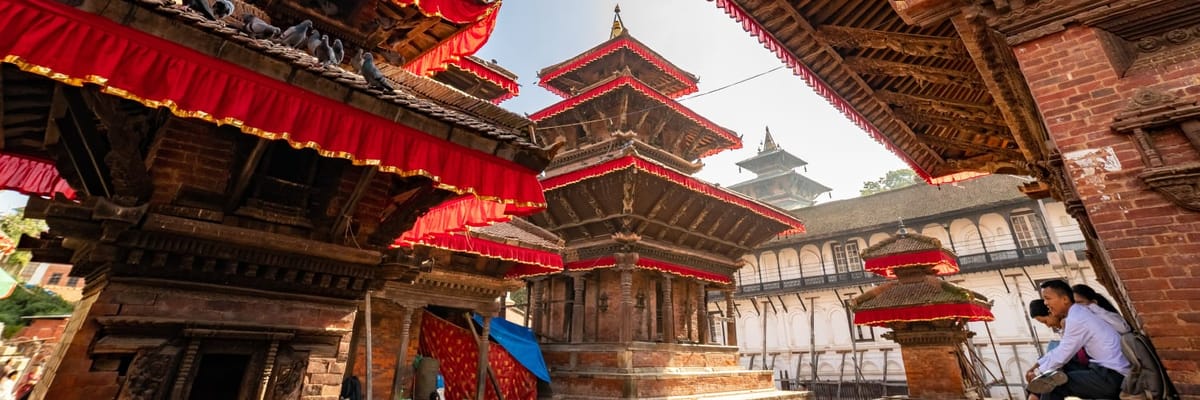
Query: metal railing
{"points": [[992, 260]]}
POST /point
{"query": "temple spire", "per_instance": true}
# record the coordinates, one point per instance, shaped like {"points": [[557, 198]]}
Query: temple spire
{"points": [[618, 26], [769, 142]]}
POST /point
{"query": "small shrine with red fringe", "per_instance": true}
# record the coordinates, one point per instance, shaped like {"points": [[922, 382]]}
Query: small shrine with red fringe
{"points": [[928, 316]]}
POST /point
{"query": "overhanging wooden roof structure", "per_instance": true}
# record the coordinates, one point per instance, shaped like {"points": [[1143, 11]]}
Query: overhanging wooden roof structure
{"points": [[943, 93]]}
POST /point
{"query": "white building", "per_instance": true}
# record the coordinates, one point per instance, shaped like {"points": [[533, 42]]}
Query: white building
{"points": [[1006, 243]]}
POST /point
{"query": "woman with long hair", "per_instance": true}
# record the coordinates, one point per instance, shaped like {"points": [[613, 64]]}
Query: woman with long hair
{"points": [[1101, 306]]}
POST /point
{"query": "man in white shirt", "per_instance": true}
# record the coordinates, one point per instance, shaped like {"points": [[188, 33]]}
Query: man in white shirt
{"points": [[1082, 329]]}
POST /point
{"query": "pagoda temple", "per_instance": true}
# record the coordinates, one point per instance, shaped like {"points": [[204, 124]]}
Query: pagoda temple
{"points": [[259, 219], [644, 241], [777, 182]]}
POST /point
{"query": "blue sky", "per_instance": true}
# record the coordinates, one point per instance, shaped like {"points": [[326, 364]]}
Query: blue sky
{"points": [[698, 37]]}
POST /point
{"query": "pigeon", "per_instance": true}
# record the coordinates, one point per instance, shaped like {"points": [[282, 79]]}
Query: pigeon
{"points": [[357, 61], [222, 8], [323, 52], [294, 36], [339, 53], [313, 41], [257, 28], [202, 7], [375, 79]]}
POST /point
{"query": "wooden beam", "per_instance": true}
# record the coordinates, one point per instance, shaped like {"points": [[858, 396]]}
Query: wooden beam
{"points": [[360, 187], [679, 212], [3, 138], [666, 228], [979, 112], [417, 30], [913, 45], [247, 172], [912, 117], [1002, 77], [966, 146], [696, 221], [921, 73]]}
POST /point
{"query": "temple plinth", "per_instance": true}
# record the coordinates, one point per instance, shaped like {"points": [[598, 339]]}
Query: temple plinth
{"points": [[644, 241], [928, 316]]}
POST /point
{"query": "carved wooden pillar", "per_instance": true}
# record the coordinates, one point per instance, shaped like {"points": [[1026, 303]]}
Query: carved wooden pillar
{"points": [[577, 310], [481, 391], [402, 367], [535, 305], [702, 315], [668, 308], [730, 323], [626, 263]]}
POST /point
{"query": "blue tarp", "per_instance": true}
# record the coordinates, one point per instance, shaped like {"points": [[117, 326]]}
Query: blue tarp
{"points": [[520, 342]]}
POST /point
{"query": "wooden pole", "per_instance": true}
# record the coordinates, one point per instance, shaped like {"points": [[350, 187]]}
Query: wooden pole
{"points": [[485, 367], [367, 319], [402, 353]]}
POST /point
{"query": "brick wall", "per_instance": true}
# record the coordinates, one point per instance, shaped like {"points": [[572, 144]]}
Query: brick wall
{"points": [[194, 154], [932, 372], [1153, 245]]}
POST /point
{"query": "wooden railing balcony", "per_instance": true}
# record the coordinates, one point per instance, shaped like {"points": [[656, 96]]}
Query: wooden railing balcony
{"points": [[980, 262]]}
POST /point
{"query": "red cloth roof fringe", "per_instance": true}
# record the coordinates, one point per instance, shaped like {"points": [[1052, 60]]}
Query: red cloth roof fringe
{"points": [[648, 263], [158, 73], [32, 176], [931, 312], [455, 11], [943, 262], [623, 42], [469, 65], [691, 183], [749, 24], [465, 42], [638, 86]]}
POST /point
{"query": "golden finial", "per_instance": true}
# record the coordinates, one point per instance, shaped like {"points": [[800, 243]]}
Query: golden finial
{"points": [[618, 27]]}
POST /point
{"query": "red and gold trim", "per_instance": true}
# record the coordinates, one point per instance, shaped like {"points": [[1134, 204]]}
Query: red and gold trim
{"points": [[923, 313], [648, 263], [621, 42], [455, 216], [76, 48], [511, 87], [463, 43], [749, 24], [455, 11], [942, 261], [32, 176], [693, 184], [638, 86], [531, 261]]}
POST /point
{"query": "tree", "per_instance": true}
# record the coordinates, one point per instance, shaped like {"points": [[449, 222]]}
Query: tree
{"points": [[14, 225], [29, 301], [894, 179]]}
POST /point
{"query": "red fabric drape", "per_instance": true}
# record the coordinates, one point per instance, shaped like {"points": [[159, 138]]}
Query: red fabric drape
{"points": [[458, 353], [469, 64], [749, 24], [622, 42], [464, 43], [31, 176], [537, 261], [931, 312], [76, 47], [456, 11], [640, 87], [454, 216], [649, 263], [943, 262], [688, 182]]}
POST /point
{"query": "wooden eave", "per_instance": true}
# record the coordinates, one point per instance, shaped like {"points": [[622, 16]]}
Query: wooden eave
{"points": [[418, 102], [906, 81], [376, 25], [470, 83], [605, 65], [625, 109], [658, 209]]}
